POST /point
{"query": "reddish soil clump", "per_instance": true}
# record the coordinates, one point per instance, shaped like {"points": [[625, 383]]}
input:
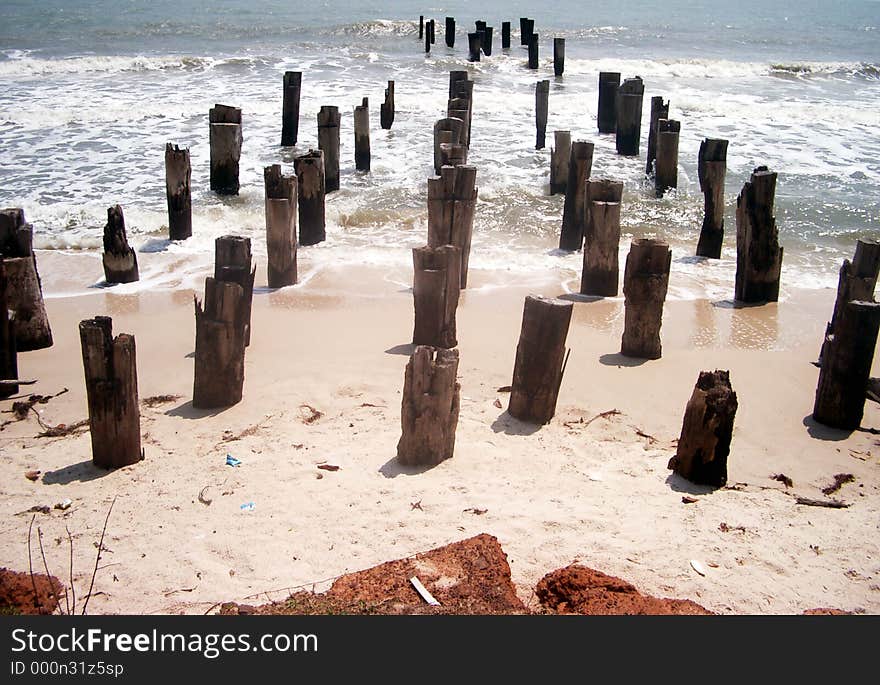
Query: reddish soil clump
{"points": [[827, 612], [577, 589], [17, 593]]}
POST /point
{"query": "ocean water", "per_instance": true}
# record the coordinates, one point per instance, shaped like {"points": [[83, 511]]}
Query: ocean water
{"points": [[90, 92]]}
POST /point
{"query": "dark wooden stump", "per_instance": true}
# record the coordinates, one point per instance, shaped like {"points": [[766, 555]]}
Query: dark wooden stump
{"points": [[666, 168], [309, 170], [758, 253], [8, 349], [232, 264], [362, 136], [486, 41], [645, 281], [178, 172], [436, 288], [629, 116], [280, 226], [659, 110], [120, 260], [386, 109], [452, 199], [533, 51], [432, 25], [429, 408], [328, 143], [560, 158], [220, 345], [706, 431], [542, 96], [505, 35], [110, 367], [600, 273], [474, 44], [421, 26], [24, 294], [711, 169], [579, 168], [558, 56], [540, 359], [290, 108], [846, 366], [449, 131], [225, 142], [526, 29], [609, 81], [428, 38], [449, 33]]}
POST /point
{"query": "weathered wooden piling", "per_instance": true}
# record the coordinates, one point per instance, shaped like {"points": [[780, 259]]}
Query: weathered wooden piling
{"points": [[432, 26], [281, 203], [220, 343], [706, 431], [580, 166], [560, 156], [178, 173], [461, 98], [629, 115], [758, 253], [645, 281], [540, 359], [290, 108], [666, 164], [110, 367], [427, 37], [712, 169], [607, 115], [429, 408], [453, 155], [386, 109], [533, 51], [474, 47], [846, 366], [659, 110], [481, 30], [505, 35], [328, 143], [600, 275], [542, 97], [309, 170], [120, 260], [450, 130], [526, 29], [362, 136], [486, 41], [8, 349], [558, 56], [452, 199], [421, 26], [436, 289], [449, 33], [225, 142], [232, 264], [24, 294]]}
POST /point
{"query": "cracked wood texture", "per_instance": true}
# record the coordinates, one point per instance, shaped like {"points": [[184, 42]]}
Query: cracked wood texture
{"points": [[220, 345], [452, 199], [712, 169], [120, 260], [178, 174], [225, 143], [309, 170], [758, 253], [280, 226], [645, 281], [436, 289]]}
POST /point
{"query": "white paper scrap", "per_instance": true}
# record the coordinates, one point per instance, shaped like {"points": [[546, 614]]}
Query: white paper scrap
{"points": [[422, 590]]}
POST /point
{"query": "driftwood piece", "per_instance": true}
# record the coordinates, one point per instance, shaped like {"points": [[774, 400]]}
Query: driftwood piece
{"points": [[120, 260], [712, 169], [542, 96], [666, 164], [178, 172], [232, 263], [505, 35], [449, 33], [429, 408], [362, 136], [846, 366], [580, 167], [645, 281], [826, 503], [609, 81], [290, 108], [540, 357], [386, 109], [758, 253], [328, 143], [110, 367], [309, 170], [436, 288], [659, 110], [629, 116], [24, 294], [706, 431], [560, 158], [8, 349], [558, 56], [220, 345], [281, 203], [452, 199], [225, 128], [600, 273]]}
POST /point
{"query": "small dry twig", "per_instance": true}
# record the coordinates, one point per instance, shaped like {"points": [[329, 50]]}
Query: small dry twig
{"points": [[156, 400], [311, 414], [603, 415], [49, 575], [98, 557], [829, 503]]}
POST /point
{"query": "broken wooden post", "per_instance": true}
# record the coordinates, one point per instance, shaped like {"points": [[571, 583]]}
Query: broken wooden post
{"points": [[450, 32], [436, 288], [758, 253], [220, 343], [8, 350], [542, 96], [290, 108], [429, 408], [659, 110], [711, 169], [24, 294], [505, 35], [386, 109], [558, 56], [579, 168], [232, 264], [452, 199], [706, 431], [362, 136], [328, 143], [280, 226], [533, 51], [666, 167], [110, 367], [600, 275], [607, 115], [461, 88], [178, 173], [629, 115], [449, 130], [560, 156], [540, 359], [645, 281], [473, 47], [120, 260], [225, 141], [846, 366], [309, 169], [857, 279]]}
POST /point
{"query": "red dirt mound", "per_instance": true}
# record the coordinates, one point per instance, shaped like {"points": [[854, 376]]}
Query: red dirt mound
{"points": [[827, 612], [577, 589], [17, 593]]}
